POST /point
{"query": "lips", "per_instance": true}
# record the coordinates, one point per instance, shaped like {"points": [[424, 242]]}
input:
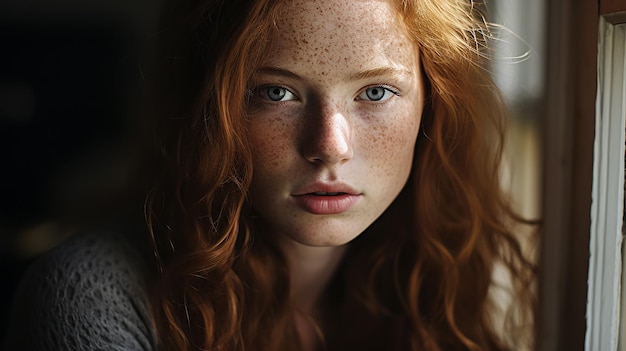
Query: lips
{"points": [[326, 199]]}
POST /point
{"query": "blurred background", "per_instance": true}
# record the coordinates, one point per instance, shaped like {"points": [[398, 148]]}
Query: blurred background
{"points": [[71, 88]]}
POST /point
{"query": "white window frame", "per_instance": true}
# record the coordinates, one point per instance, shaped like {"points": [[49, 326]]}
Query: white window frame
{"points": [[607, 210]]}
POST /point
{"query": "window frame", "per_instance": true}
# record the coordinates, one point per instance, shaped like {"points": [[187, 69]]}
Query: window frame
{"points": [[607, 210], [569, 129]]}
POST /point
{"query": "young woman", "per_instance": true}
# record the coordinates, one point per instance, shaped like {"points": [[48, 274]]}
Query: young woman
{"points": [[326, 179]]}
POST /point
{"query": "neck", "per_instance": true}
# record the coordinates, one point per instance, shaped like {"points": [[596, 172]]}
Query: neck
{"points": [[310, 271]]}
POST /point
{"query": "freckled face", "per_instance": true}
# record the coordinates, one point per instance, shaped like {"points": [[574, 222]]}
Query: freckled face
{"points": [[334, 119]]}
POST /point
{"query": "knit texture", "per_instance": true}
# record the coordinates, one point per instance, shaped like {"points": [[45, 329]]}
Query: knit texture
{"points": [[87, 294]]}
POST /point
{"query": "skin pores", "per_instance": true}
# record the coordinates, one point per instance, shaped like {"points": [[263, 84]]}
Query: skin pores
{"points": [[334, 119]]}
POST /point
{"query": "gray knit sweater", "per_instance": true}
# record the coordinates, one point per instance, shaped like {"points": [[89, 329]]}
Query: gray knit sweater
{"points": [[87, 294]]}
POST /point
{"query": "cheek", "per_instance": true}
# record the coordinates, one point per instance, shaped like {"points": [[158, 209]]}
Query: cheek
{"points": [[270, 140], [391, 145]]}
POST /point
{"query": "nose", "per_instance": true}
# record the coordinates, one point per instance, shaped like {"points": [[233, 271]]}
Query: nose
{"points": [[327, 137]]}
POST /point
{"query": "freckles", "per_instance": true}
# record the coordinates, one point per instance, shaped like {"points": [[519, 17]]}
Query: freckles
{"points": [[270, 140], [387, 146], [376, 148]]}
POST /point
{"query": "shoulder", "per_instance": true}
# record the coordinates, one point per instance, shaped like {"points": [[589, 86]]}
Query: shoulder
{"points": [[90, 293]]}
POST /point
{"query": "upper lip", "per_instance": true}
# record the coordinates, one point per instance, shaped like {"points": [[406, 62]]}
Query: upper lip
{"points": [[319, 187]]}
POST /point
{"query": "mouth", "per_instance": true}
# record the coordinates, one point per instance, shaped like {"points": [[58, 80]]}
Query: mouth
{"points": [[326, 203], [325, 189], [321, 198], [324, 193]]}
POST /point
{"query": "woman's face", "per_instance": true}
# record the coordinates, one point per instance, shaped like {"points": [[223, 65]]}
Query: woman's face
{"points": [[334, 119]]}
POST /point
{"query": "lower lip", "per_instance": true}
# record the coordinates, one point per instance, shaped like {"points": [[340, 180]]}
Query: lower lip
{"points": [[325, 205]]}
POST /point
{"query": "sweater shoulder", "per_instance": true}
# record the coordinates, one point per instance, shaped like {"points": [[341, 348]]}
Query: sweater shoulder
{"points": [[90, 293]]}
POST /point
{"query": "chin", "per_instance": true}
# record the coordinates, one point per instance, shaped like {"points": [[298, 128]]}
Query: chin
{"points": [[328, 234]]}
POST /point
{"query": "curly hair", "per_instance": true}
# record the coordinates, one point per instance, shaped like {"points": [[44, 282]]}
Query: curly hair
{"points": [[423, 285]]}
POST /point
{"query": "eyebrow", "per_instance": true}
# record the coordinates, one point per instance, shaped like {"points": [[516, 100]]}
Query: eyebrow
{"points": [[370, 73], [275, 71], [382, 71]]}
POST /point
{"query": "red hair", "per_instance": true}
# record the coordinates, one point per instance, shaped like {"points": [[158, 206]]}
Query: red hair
{"points": [[419, 278]]}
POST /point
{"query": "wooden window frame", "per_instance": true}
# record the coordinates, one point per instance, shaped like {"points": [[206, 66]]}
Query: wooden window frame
{"points": [[568, 127], [569, 117]]}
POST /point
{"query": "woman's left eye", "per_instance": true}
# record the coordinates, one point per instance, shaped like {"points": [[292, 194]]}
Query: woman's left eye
{"points": [[376, 93]]}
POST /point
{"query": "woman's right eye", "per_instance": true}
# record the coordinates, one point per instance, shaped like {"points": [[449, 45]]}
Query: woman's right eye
{"points": [[276, 93]]}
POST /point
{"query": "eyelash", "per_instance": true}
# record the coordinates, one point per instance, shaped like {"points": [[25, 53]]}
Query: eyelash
{"points": [[385, 87], [263, 90]]}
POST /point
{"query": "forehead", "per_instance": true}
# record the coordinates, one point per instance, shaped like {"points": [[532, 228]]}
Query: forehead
{"points": [[317, 13], [339, 30]]}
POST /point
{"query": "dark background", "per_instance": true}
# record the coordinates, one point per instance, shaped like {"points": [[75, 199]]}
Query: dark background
{"points": [[71, 91]]}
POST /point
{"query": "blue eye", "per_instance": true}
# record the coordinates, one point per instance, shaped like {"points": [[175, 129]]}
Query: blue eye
{"points": [[276, 93], [376, 93]]}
